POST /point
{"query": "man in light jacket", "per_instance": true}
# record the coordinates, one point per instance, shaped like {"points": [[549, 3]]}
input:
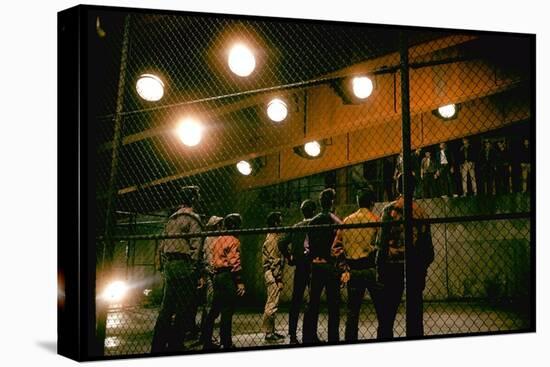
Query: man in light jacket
{"points": [[273, 262]]}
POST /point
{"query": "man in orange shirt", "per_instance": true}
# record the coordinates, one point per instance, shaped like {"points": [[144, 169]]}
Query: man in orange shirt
{"points": [[226, 264]]}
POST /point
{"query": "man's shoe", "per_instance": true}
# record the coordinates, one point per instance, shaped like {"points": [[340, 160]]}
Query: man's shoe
{"points": [[271, 337], [193, 333], [211, 346], [213, 341], [279, 336], [294, 340], [316, 340]]}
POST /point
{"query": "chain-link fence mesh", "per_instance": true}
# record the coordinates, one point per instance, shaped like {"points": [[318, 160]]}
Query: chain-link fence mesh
{"points": [[264, 115]]}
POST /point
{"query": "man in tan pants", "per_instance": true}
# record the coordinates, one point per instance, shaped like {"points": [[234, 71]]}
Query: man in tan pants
{"points": [[273, 262], [466, 160]]}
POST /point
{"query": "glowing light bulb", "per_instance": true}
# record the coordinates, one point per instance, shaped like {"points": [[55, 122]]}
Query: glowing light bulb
{"points": [[447, 111], [190, 132], [241, 60], [277, 110], [244, 168], [362, 87], [150, 87], [313, 148]]}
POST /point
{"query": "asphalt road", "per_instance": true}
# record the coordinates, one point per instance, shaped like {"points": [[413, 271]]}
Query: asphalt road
{"points": [[129, 330]]}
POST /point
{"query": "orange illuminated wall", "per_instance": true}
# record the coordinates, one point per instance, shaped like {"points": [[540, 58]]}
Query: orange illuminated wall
{"points": [[372, 129], [354, 132]]}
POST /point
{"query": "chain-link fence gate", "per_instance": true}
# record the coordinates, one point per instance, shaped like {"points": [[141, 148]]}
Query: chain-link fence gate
{"points": [[425, 137]]}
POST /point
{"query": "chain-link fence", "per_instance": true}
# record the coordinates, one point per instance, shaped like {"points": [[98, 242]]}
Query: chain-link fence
{"points": [[382, 178]]}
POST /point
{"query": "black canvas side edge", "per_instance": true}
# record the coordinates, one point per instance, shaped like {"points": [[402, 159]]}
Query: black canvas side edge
{"points": [[68, 216], [89, 248], [532, 138]]}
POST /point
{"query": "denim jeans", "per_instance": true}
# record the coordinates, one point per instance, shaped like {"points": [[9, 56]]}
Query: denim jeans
{"points": [[225, 298], [360, 281], [323, 276], [393, 279], [300, 282]]}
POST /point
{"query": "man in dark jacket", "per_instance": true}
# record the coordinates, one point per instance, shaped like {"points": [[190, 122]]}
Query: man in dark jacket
{"points": [[428, 168], [295, 257], [388, 171], [416, 162], [487, 168], [397, 175], [323, 272], [390, 263], [503, 169]]}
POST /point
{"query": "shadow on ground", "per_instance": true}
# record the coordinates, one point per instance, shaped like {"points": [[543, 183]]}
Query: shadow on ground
{"points": [[50, 346]]}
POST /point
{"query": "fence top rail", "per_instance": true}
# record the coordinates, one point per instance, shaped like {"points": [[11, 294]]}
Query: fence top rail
{"points": [[289, 229]]}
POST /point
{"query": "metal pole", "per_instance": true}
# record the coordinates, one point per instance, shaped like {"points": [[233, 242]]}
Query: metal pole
{"points": [[110, 221], [407, 176]]}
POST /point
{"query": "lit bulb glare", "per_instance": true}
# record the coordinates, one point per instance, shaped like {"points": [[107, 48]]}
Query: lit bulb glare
{"points": [[277, 110], [244, 168], [447, 111], [362, 87], [190, 132], [241, 60], [150, 87], [313, 148], [115, 291]]}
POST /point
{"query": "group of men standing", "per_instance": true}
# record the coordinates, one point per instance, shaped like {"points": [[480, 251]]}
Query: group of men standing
{"points": [[189, 265], [489, 170], [363, 258], [324, 258]]}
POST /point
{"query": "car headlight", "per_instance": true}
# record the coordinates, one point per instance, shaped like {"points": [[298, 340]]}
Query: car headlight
{"points": [[115, 291]]}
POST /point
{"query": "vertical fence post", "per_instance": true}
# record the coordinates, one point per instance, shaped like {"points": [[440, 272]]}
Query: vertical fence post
{"points": [[110, 220], [407, 176]]}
